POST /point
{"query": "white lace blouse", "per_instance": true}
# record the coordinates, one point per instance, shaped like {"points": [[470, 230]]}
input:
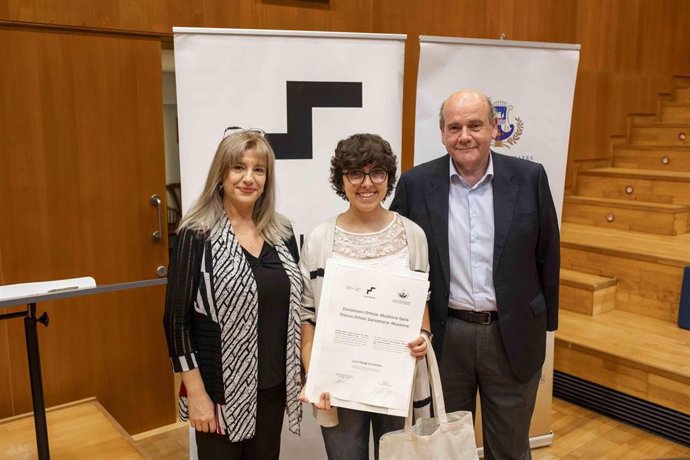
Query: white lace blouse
{"points": [[386, 247]]}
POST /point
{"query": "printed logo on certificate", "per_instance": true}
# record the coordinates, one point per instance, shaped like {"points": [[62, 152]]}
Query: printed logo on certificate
{"points": [[366, 317]]}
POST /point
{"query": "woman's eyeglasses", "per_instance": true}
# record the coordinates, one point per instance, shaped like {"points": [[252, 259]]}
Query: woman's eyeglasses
{"points": [[356, 176], [230, 130]]}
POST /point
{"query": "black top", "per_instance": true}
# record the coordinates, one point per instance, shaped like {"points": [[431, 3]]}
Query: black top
{"points": [[273, 288]]}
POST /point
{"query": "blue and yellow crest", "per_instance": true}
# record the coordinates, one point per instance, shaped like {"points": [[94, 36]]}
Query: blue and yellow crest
{"points": [[508, 133]]}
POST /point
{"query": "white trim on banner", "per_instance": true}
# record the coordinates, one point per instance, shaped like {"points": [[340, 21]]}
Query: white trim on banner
{"points": [[288, 33], [505, 43]]}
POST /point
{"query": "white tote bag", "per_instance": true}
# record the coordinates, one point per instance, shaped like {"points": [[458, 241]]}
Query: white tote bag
{"points": [[446, 436]]}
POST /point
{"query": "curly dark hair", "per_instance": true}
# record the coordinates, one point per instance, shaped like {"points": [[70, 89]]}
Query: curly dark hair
{"points": [[359, 151]]}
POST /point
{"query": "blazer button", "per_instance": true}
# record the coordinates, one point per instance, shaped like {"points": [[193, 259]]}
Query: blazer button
{"points": [[443, 323]]}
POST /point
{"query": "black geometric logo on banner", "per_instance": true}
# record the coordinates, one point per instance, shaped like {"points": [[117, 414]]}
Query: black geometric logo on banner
{"points": [[302, 96]]}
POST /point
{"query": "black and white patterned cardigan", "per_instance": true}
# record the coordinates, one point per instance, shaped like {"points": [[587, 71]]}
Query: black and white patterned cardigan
{"points": [[210, 321]]}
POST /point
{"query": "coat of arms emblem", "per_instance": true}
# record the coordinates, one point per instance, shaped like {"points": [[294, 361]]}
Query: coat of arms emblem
{"points": [[508, 133]]}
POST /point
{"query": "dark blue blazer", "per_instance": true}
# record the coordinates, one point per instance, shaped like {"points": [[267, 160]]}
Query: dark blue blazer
{"points": [[526, 252]]}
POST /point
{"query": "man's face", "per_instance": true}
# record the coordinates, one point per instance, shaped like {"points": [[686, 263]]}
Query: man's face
{"points": [[467, 131]]}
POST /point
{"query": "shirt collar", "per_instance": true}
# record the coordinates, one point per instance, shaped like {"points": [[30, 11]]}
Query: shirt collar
{"points": [[486, 178]]}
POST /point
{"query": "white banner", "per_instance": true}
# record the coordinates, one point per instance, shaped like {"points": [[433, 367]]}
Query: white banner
{"points": [[307, 90], [532, 86]]}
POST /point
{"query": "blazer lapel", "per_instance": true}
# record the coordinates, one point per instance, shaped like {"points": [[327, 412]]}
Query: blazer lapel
{"points": [[437, 205], [505, 193]]}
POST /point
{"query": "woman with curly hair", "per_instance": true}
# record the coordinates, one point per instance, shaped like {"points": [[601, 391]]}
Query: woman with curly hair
{"points": [[363, 172]]}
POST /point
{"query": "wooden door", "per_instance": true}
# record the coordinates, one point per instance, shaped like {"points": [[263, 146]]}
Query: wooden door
{"points": [[81, 153]]}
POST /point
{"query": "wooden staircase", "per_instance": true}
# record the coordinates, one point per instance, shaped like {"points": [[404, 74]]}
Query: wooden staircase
{"points": [[586, 293], [637, 216], [625, 242], [651, 157]]}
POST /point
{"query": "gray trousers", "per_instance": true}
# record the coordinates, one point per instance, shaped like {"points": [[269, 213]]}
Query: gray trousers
{"points": [[473, 358]]}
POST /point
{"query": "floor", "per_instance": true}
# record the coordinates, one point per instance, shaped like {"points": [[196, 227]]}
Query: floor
{"points": [[578, 433]]}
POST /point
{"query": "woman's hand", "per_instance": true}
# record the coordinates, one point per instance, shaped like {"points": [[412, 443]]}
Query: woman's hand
{"points": [[303, 393], [201, 412], [418, 347], [308, 331], [324, 402]]}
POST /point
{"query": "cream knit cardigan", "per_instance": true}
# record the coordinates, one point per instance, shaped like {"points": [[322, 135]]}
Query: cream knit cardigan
{"points": [[316, 250]]}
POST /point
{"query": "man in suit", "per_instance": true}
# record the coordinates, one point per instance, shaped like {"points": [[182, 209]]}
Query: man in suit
{"points": [[494, 255]]}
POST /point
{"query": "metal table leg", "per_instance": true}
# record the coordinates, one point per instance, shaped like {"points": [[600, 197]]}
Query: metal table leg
{"points": [[39, 405]]}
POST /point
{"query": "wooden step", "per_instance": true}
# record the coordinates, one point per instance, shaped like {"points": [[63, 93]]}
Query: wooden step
{"points": [[643, 117], [671, 187], [638, 216], [649, 268], [675, 111], [660, 134], [639, 356], [586, 293], [681, 81], [650, 157], [682, 94], [664, 250], [80, 429]]}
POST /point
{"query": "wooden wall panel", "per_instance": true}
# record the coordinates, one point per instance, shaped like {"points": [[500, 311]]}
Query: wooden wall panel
{"points": [[81, 154], [159, 16]]}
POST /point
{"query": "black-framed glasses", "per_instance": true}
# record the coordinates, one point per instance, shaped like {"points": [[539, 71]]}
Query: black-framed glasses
{"points": [[230, 130], [356, 176]]}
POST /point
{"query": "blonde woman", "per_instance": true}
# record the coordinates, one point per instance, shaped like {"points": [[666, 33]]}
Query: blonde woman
{"points": [[362, 173], [232, 307]]}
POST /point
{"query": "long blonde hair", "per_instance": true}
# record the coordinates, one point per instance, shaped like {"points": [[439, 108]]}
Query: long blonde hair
{"points": [[207, 212]]}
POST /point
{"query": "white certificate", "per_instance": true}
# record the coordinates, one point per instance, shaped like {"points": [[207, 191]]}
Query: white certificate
{"points": [[367, 315]]}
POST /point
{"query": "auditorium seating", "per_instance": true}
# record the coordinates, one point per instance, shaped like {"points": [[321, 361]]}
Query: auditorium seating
{"points": [[624, 245]]}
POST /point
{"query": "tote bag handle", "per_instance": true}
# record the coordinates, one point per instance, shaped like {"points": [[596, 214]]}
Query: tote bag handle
{"points": [[436, 389]]}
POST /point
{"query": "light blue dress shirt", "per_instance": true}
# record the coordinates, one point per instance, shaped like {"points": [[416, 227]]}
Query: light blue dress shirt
{"points": [[471, 242]]}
